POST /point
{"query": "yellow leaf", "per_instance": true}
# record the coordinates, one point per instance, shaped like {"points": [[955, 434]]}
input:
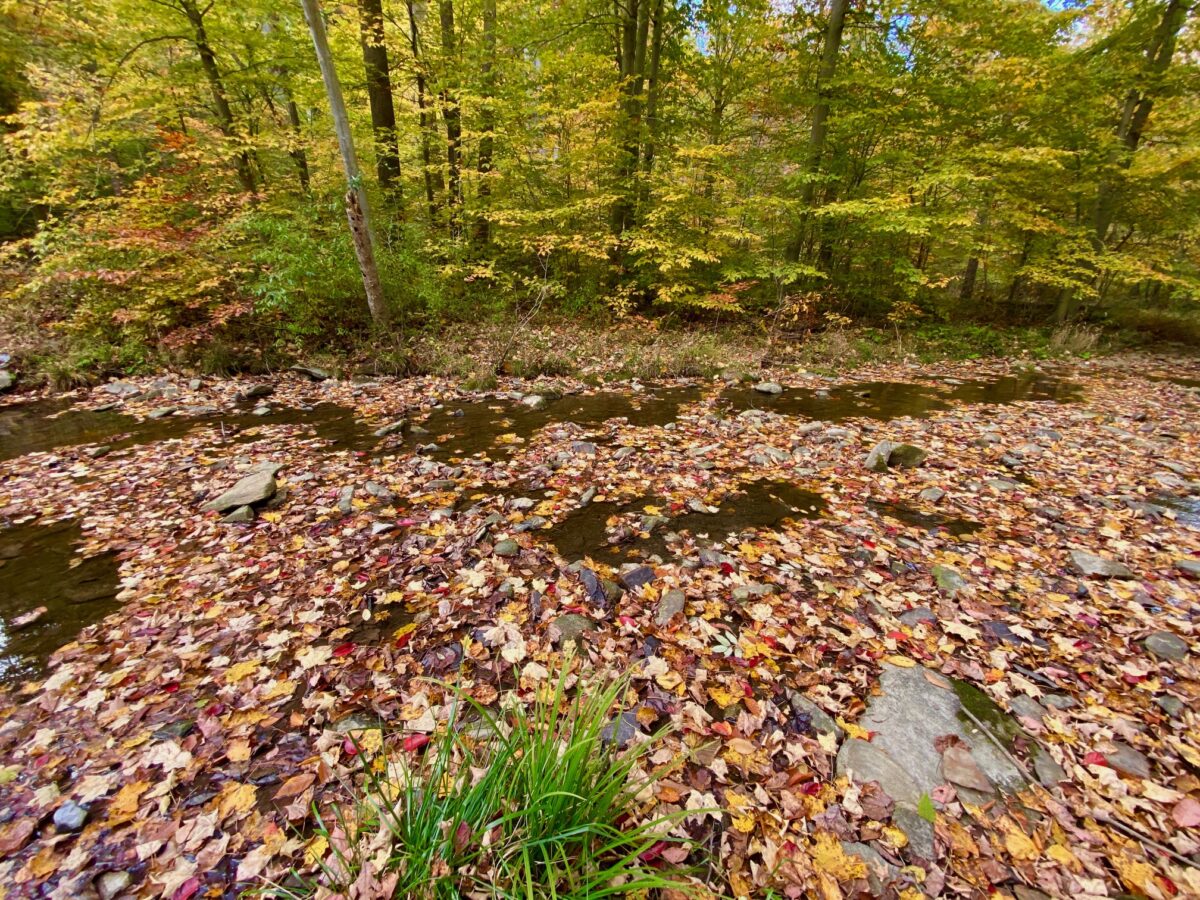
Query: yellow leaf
{"points": [[854, 731], [236, 673], [829, 857], [902, 661], [237, 800], [314, 850], [124, 804], [721, 696], [1019, 845], [238, 751]]}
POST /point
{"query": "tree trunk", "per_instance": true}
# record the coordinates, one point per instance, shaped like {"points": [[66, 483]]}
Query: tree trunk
{"points": [[208, 61], [452, 116], [820, 115], [653, 88], [488, 121], [358, 212], [297, 152], [432, 175], [379, 94], [1136, 114], [634, 30]]}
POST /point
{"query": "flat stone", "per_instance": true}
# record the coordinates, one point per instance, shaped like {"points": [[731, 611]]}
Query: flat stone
{"points": [[1166, 645], [345, 499], [1189, 567], [1048, 771], [948, 579], [959, 768], [914, 617], [356, 721], [669, 606], [587, 496], [1090, 564], [255, 391], [6, 380], [819, 719], [507, 548], [880, 872], [533, 401], [241, 515], [633, 578], [769, 387], [378, 528], [1004, 485], [571, 627], [254, 488], [699, 506], [751, 591], [440, 484], [1128, 761], [1025, 706], [390, 428], [162, 412], [1060, 701], [931, 495], [621, 730], [918, 830], [261, 410], [121, 388], [1169, 704], [864, 762], [70, 816], [112, 884], [312, 373], [585, 447]]}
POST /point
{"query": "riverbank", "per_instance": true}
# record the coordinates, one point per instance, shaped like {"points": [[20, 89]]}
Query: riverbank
{"points": [[963, 666]]}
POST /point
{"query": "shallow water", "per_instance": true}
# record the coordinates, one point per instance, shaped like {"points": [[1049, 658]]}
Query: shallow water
{"points": [[931, 522], [884, 400], [758, 504], [40, 426], [40, 566]]}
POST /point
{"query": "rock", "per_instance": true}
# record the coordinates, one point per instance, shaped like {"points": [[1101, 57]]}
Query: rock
{"points": [[522, 503], [744, 592], [26, 619], [1026, 707], [162, 412], [345, 500], [533, 401], [634, 577], [769, 387], [880, 872], [1172, 706], [121, 389], [571, 627], [1023, 892], [1189, 567], [1047, 770], [1166, 645], [817, 717], [864, 762], [533, 523], [1060, 701], [312, 373], [906, 456], [375, 489], [378, 528], [948, 579], [931, 495], [1003, 485], [254, 488], [240, 515], [1128, 761], [390, 428], [174, 731], [507, 548], [959, 768], [624, 452], [1048, 435], [700, 507], [70, 816], [585, 447], [97, 452], [112, 884], [6, 380], [195, 384], [918, 830], [254, 391], [877, 459], [356, 721], [587, 496], [669, 606], [440, 484], [1090, 564], [914, 617], [261, 410]]}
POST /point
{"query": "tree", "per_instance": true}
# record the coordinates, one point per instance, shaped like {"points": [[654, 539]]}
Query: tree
{"points": [[379, 94], [358, 212]]}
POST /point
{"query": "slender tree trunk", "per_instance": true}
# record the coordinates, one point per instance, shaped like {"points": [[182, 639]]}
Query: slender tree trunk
{"points": [[634, 16], [488, 121], [379, 94], [432, 174], [652, 88], [358, 212], [820, 115], [208, 61], [1136, 114], [452, 116], [299, 157]]}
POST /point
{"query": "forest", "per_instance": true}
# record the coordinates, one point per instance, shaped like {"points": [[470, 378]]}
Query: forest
{"points": [[171, 184], [657, 449]]}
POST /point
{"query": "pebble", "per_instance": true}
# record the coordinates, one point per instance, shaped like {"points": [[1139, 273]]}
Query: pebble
{"points": [[70, 816]]}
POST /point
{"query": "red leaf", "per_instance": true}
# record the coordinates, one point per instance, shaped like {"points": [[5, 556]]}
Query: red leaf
{"points": [[726, 568], [462, 834], [187, 889], [811, 788], [627, 620], [403, 640], [723, 728], [653, 852], [343, 649], [171, 687], [415, 742], [348, 747], [1095, 759]]}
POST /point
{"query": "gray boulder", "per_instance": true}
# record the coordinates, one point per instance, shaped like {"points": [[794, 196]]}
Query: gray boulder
{"points": [[1166, 645], [6, 380], [769, 387], [1101, 567], [254, 488], [669, 607]]}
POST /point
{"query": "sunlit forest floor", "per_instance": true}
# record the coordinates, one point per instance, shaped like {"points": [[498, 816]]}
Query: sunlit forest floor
{"points": [[910, 630]]}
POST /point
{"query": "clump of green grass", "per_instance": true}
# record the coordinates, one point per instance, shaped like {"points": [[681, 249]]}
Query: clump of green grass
{"points": [[531, 802]]}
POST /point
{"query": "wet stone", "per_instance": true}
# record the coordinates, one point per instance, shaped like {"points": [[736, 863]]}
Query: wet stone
{"points": [[1166, 645], [254, 488], [571, 627], [948, 579], [914, 617], [507, 548], [633, 578], [390, 428], [70, 816], [1090, 564], [931, 495], [1128, 761], [671, 605], [768, 387]]}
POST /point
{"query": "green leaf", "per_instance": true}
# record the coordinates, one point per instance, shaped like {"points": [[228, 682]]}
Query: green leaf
{"points": [[925, 809]]}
